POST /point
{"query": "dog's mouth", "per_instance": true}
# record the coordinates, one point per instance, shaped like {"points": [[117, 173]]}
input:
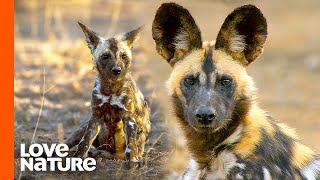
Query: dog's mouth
{"points": [[114, 77], [113, 74], [110, 77], [210, 128], [203, 128]]}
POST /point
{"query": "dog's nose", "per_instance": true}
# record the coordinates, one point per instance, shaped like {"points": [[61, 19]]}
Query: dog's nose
{"points": [[116, 70], [205, 115]]}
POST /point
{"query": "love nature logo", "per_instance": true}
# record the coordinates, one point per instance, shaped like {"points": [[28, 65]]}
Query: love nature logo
{"points": [[42, 157]]}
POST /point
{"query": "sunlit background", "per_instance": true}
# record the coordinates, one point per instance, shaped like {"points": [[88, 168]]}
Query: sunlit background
{"points": [[49, 45]]}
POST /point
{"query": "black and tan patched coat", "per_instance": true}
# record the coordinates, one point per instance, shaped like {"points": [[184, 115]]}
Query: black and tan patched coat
{"points": [[214, 100]]}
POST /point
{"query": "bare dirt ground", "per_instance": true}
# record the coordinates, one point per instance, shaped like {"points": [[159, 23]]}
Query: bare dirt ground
{"points": [[49, 44]]}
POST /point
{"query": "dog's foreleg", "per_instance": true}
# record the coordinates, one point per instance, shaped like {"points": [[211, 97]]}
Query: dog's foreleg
{"points": [[76, 136], [130, 130], [92, 131]]}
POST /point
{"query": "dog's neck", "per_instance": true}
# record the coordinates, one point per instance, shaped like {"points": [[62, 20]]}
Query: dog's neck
{"points": [[107, 86], [204, 146]]}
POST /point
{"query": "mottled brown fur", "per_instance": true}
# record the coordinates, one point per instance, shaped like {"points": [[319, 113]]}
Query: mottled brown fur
{"points": [[120, 121]]}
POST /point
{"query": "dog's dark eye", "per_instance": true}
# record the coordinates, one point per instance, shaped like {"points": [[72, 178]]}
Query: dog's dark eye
{"points": [[106, 56], [189, 81], [225, 81], [124, 56]]}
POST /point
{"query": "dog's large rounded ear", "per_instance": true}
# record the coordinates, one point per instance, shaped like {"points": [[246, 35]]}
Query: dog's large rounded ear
{"points": [[243, 34], [175, 32], [92, 38], [131, 37]]}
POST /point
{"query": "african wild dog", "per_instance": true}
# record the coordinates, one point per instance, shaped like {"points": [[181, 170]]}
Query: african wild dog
{"points": [[228, 135], [120, 121]]}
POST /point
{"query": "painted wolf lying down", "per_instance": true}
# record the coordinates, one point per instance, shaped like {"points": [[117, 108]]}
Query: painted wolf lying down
{"points": [[214, 99]]}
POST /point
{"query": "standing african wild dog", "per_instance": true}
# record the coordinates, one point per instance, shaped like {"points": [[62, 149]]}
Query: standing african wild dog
{"points": [[120, 121], [228, 135]]}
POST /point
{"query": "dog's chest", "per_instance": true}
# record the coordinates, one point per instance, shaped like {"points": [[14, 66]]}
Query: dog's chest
{"points": [[114, 101], [113, 106], [228, 166], [220, 168]]}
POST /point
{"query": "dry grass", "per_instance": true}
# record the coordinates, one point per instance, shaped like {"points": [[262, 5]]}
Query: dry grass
{"points": [[47, 35]]}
